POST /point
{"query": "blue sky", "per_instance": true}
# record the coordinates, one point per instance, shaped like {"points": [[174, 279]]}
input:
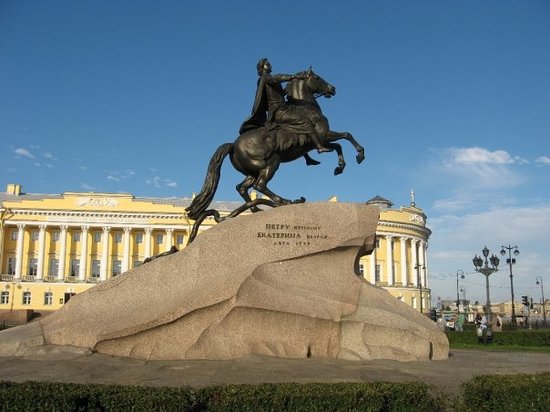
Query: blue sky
{"points": [[450, 99]]}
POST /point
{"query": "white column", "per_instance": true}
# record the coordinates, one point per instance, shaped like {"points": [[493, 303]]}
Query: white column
{"points": [[147, 235], [169, 241], [425, 254], [422, 264], [404, 274], [62, 252], [104, 253], [83, 253], [126, 248], [414, 269], [19, 251], [372, 266], [389, 260], [41, 248]]}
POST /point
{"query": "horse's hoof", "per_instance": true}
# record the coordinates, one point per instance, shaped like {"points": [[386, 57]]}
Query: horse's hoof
{"points": [[255, 209], [312, 162], [338, 170], [360, 157], [300, 200]]}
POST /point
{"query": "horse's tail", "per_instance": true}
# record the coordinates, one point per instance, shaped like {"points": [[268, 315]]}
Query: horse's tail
{"points": [[203, 199]]}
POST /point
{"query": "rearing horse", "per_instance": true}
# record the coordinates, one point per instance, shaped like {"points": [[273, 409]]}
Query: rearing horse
{"points": [[258, 153]]}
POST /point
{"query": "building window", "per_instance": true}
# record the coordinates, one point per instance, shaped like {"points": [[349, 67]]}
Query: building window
{"points": [[179, 239], [117, 267], [96, 268], [54, 267], [26, 298], [14, 234], [139, 237], [34, 235], [48, 298], [76, 236], [4, 297], [118, 237], [378, 243], [377, 271], [362, 269], [11, 266], [97, 237], [55, 236], [33, 266], [159, 238], [137, 263], [75, 267]]}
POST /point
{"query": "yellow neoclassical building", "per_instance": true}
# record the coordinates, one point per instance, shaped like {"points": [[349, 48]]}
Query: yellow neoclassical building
{"points": [[53, 246]]}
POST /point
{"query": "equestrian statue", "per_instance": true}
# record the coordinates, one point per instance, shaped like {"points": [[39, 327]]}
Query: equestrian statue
{"points": [[285, 124]]}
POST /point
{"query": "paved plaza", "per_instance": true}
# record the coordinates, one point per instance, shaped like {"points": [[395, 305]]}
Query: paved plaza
{"points": [[95, 368]]}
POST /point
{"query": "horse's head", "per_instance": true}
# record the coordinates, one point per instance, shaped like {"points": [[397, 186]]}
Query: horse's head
{"points": [[318, 85], [309, 80]]}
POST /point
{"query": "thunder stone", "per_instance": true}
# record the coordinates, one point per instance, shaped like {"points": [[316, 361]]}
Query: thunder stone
{"points": [[283, 282]]}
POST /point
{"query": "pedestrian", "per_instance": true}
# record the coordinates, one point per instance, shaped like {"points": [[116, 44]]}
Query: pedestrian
{"points": [[459, 323], [478, 321], [441, 323], [496, 323]]}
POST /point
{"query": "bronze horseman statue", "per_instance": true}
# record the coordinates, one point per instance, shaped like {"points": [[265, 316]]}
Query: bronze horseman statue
{"points": [[285, 124]]}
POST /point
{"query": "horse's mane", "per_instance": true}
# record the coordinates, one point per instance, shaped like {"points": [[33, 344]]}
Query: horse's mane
{"points": [[291, 82]]}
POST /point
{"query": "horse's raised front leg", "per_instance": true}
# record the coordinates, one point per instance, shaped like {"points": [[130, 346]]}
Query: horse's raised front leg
{"points": [[332, 136], [341, 162]]}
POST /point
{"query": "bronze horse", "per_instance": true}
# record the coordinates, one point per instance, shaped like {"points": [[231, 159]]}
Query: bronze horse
{"points": [[258, 153]]}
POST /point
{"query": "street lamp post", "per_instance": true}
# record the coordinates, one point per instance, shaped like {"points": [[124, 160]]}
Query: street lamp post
{"points": [[461, 274], [511, 261], [539, 282], [482, 266]]}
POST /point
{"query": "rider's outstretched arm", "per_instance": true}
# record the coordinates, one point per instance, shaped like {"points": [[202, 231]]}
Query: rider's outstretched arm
{"points": [[279, 78]]}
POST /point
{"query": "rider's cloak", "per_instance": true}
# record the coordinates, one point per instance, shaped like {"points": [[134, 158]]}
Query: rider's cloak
{"points": [[258, 117]]}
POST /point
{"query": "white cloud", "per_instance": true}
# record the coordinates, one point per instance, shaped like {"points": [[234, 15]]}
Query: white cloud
{"points": [[49, 156], [476, 168], [118, 176], [158, 182], [155, 182], [544, 160], [473, 177], [478, 155], [23, 153], [452, 204]]}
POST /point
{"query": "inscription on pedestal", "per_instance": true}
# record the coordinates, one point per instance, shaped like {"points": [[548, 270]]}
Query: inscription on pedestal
{"points": [[281, 234]]}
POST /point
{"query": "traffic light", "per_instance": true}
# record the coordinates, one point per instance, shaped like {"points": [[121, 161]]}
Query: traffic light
{"points": [[525, 300]]}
